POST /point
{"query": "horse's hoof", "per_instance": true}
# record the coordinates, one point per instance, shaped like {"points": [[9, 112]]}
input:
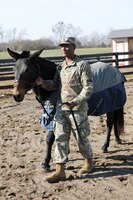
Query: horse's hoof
{"points": [[119, 141], [46, 167], [105, 150], [67, 160]]}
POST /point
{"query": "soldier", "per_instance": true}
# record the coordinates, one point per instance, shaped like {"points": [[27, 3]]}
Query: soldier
{"points": [[74, 78]]}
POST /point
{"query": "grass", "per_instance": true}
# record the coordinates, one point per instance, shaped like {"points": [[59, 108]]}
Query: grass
{"points": [[57, 52]]}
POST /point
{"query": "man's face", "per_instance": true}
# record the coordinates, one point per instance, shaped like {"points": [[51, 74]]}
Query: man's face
{"points": [[67, 49]]}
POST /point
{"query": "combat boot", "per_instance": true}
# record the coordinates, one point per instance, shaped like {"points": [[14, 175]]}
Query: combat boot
{"points": [[87, 167], [58, 175]]}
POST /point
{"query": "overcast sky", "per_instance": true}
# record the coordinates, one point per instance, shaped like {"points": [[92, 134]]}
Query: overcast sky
{"points": [[37, 17]]}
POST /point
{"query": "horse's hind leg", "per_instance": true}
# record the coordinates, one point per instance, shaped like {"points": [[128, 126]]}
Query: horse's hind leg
{"points": [[49, 142], [109, 122], [118, 124], [117, 134]]}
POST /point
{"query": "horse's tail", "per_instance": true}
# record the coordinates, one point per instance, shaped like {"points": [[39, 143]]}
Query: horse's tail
{"points": [[119, 120]]}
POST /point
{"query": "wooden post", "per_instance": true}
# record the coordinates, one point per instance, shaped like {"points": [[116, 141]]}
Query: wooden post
{"points": [[117, 59]]}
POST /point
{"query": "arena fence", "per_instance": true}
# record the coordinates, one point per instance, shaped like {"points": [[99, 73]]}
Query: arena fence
{"points": [[121, 60]]}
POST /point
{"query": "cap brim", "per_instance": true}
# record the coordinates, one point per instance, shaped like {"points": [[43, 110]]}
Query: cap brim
{"points": [[63, 43]]}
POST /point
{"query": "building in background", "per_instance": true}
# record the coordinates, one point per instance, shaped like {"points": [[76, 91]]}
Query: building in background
{"points": [[122, 41]]}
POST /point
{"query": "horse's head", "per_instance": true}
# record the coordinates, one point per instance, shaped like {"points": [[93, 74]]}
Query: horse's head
{"points": [[26, 72]]}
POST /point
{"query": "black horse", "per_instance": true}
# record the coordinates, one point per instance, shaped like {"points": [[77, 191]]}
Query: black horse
{"points": [[29, 67]]}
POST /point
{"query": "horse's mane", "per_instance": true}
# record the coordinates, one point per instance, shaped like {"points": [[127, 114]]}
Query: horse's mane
{"points": [[48, 69], [47, 62]]}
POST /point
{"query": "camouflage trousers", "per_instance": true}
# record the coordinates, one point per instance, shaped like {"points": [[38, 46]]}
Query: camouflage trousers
{"points": [[65, 125]]}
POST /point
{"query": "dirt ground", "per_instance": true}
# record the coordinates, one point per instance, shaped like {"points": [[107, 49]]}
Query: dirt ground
{"points": [[22, 144]]}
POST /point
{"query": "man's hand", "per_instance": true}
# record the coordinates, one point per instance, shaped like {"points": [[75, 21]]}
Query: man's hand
{"points": [[71, 105], [39, 81]]}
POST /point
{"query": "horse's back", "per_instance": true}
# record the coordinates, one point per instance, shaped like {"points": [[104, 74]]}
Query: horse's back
{"points": [[105, 76], [108, 92]]}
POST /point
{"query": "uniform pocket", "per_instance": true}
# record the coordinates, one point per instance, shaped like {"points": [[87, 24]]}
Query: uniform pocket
{"points": [[74, 79], [74, 83]]}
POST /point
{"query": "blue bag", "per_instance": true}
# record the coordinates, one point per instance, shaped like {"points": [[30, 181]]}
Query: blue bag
{"points": [[47, 117]]}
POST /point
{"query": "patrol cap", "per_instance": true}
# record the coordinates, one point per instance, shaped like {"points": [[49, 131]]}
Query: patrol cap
{"points": [[68, 40]]}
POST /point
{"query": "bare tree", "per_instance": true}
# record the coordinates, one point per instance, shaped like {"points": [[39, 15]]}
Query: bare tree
{"points": [[15, 38], [83, 41], [97, 40], [73, 31], [59, 29], [2, 37], [62, 30]]}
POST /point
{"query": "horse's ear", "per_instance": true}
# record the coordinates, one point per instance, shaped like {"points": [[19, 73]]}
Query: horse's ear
{"points": [[35, 55], [13, 54]]}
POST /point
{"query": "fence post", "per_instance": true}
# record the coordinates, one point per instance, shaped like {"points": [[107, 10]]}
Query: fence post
{"points": [[117, 59]]}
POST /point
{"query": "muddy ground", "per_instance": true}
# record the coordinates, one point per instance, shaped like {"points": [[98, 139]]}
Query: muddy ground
{"points": [[22, 144]]}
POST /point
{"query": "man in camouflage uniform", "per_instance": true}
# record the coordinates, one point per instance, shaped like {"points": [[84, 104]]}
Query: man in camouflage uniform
{"points": [[74, 78]]}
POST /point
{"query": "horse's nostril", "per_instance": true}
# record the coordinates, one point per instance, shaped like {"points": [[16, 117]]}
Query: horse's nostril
{"points": [[18, 98]]}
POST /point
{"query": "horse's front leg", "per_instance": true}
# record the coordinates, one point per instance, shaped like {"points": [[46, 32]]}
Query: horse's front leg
{"points": [[49, 143], [109, 122]]}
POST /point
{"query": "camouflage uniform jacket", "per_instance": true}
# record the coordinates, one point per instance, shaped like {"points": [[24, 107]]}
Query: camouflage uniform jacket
{"points": [[75, 82]]}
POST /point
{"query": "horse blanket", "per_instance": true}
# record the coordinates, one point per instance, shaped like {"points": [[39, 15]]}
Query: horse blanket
{"points": [[108, 92]]}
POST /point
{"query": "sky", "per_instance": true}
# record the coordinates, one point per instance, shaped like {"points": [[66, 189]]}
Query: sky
{"points": [[37, 17]]}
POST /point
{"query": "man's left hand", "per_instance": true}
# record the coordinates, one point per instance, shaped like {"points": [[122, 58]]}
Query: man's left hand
{"points": [[71, 105]]}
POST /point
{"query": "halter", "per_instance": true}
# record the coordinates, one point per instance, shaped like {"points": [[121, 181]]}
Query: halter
{"points": [[26, 82]]}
